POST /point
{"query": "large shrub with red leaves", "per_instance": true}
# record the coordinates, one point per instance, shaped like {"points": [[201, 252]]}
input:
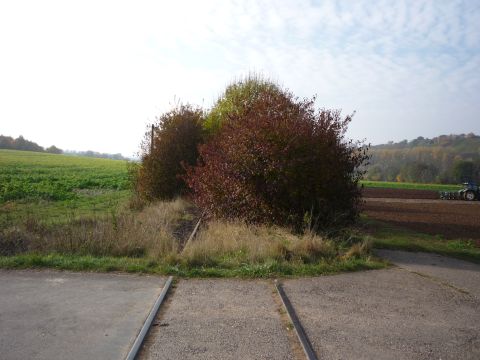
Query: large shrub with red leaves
{"points": [[176, 137], [280, 161]]}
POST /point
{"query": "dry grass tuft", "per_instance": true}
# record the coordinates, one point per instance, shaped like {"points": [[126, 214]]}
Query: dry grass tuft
{"points": [[147, 233], [237, 243], [359, 249], [158, 232]]}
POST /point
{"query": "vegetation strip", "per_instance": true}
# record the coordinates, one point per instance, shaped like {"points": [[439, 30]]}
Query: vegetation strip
{"points": [[148, 322], [145, 266], [302, 336]]}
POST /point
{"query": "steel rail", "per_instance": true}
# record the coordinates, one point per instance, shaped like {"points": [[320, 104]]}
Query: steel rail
{"points": [[132, 354], [302, 336], [194, 233]]}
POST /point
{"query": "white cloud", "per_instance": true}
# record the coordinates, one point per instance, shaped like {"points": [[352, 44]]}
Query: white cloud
{"points": [[91, 74]]}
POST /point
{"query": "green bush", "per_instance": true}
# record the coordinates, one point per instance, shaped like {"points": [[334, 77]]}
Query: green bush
{"points": [[237, 98]]}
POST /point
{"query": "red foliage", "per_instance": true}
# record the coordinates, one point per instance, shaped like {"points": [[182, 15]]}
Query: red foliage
{"points": [[175, 141], [278, 161]]}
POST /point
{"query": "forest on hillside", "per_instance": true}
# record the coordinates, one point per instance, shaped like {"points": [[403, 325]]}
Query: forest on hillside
{"points": [[443, 159], [20, 143]]}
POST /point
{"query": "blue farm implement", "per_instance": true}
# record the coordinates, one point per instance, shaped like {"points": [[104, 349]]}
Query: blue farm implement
{"points": [[470, 192]]}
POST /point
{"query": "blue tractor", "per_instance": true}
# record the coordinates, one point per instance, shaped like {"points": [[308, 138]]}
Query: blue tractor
{"points": [[470, 192]]}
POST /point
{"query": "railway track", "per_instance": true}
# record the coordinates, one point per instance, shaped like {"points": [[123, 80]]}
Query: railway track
{"points": [[141, 344], [213, 303], [138, 348]]}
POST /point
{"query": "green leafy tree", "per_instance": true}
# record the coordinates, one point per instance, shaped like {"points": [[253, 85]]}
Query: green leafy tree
{"points": [[54, 150], [237, 98]]}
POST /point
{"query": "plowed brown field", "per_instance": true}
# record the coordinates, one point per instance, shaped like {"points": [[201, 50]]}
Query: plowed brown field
{"points": [[412, 209], [399, 193]]}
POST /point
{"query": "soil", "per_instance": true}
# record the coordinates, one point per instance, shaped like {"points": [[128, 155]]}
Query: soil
{"points": [[399, 193], [451, 219]]}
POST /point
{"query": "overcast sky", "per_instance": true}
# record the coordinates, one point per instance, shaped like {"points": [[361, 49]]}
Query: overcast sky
{"points": [[91, 74]]}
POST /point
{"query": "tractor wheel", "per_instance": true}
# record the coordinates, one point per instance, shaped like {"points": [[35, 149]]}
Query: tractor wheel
{"points": [[469, 195]]}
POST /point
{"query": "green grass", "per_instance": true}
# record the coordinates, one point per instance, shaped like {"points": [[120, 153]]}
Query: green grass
{"points": [[53, 188], [142, 265], [386, 236], [410, 186], [47, 200]]}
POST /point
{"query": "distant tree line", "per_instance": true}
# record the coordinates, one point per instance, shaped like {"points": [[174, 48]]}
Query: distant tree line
{"points": [[90, 153], [20, 143], [443, 159]]}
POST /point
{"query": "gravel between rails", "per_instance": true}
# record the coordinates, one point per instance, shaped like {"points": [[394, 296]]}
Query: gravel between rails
{"points": [[219, 319]]}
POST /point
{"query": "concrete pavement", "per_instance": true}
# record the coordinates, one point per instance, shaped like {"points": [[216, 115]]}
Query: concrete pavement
{"points": [[61, 315], [463, 275], [386, 314], [426, 308]]}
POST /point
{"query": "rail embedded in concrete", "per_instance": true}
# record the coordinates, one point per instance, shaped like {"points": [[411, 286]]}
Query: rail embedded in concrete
{"points": [[148, 322], [300, 331]]}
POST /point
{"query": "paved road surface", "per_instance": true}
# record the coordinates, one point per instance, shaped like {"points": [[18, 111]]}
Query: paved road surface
{"points": [[60, 315], [460, 274], [426, 308], [386, 314]]}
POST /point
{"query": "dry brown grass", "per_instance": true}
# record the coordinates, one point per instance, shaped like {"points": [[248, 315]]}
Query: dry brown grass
{"points": [[147, 233], [153, 234], [359, 249], [237, 242]]}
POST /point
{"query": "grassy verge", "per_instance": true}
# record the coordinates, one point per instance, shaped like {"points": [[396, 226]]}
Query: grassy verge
{"points": [[148, 266], [410, 186], [152, 241], [387, 236]]}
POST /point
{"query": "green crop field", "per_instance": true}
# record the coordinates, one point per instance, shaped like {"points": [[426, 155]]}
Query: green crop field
{"points": [[51, 187], [410, 186]]}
